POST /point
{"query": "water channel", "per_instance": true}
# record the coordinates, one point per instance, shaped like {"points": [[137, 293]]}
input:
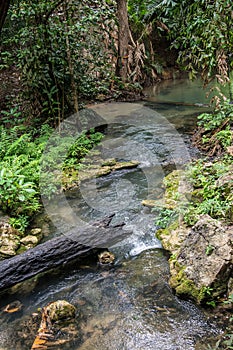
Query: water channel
{"points": [[129, 306]]}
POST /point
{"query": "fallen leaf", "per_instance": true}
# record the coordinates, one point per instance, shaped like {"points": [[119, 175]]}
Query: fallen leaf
{"points": [[39, 343], [13, 307]]}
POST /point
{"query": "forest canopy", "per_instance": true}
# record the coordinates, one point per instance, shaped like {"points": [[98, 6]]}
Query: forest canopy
{"points": [[60, 52]]}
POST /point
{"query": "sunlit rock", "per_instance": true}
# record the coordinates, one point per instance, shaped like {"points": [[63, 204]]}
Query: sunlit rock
{"points": [[29, 241]]}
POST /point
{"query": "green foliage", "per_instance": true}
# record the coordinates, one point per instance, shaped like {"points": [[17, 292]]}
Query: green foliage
{"points": [[54, 44], [80, 148], [209, 249], [211, 121], [202, 32], [225, 137], [211, 195], [166, 216], [20, 165], [208, 291], [211, 303], [229, 299], [19, 175], [225, 342], [9, 117], [17, 195], [20, 222], [215, 132]]}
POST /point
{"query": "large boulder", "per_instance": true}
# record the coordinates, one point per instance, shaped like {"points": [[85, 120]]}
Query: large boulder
{"points": [[201, 260]]}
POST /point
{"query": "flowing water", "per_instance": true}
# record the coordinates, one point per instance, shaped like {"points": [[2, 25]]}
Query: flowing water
{"points": [[129, 305]]}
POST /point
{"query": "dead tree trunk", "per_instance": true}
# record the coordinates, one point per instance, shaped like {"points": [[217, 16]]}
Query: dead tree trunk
{"points": [[59, 251]]}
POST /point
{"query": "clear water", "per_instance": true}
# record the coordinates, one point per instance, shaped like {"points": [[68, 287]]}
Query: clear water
{"points": [[129, 306]]}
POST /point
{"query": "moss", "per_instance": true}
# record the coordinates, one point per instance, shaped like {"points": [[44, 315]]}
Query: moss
{"points": [[60, 310], [109, 162], [167, 231], [171, 182], [186, 287], [72, 178]]}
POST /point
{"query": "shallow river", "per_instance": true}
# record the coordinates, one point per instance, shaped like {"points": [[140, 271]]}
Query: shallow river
{"points": [[130, 305]]}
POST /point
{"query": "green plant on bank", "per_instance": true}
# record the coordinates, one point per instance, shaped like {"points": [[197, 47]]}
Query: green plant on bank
{"points": [[165, 217], [217, 127], [208, 292], [20, 222], [81, 147], [20, 164], [209, 249], [16, 194], [211, 193]]}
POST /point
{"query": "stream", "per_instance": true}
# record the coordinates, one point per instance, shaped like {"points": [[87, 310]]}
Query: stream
{"points": [[128, 306]]}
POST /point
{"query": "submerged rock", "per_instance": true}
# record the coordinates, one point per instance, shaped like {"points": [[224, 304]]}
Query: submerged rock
{"points": [[106, 258], [54, 330], [60, 310]]}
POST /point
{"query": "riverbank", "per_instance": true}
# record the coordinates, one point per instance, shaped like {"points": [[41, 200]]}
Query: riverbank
{"points": [[196, 228]]}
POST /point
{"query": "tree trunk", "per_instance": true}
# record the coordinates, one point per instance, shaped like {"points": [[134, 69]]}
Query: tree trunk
{"points": [[4, 6], [123, 40], [60, 251], [71, 69]]}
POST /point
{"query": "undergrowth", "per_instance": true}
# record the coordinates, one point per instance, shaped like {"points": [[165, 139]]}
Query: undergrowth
{"points": [[215, 132], [20, 165]]}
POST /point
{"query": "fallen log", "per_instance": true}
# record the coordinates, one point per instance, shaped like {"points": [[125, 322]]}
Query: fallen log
{"points": [[58, 251]]}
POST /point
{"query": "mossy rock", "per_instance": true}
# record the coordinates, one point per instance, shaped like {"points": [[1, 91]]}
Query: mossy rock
{"points": [[105, 168], [126, 165], [149, 203], [177, 189], [60, 310], [109, 162], [196, 272], [171, 236], [185, 287]]}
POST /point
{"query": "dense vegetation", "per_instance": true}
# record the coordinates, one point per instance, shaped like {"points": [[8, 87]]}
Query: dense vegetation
{"points": [[20, 163], [55, 55]]}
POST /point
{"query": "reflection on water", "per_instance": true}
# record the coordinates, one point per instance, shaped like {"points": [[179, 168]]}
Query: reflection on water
{"points": [[183, 91], [129, 306]]}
